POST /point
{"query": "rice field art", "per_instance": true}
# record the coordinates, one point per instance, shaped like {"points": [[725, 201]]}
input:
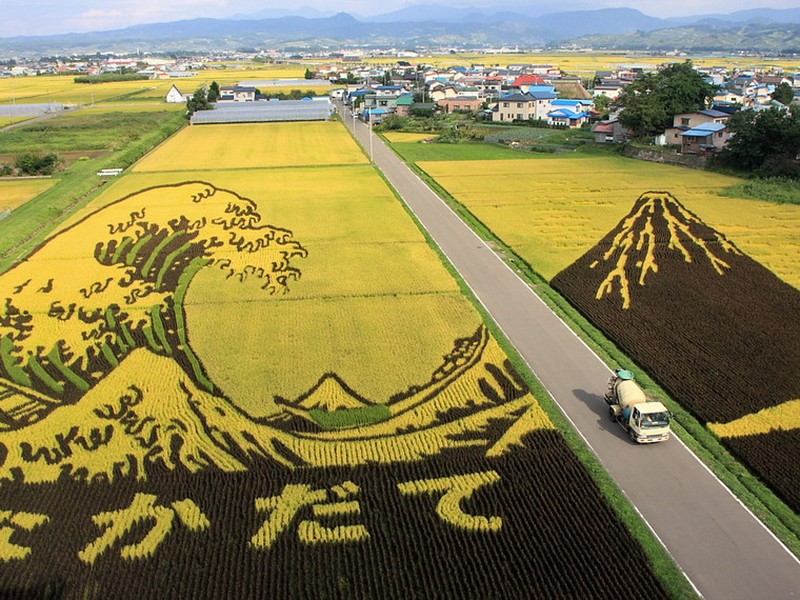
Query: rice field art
{"points": [[126, 469], [719, 331]]}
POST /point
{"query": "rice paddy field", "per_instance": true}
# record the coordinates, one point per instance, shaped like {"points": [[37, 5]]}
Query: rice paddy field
{"points": [[15, 193], [283, 145], [552, 210], [590, 62], [266, 379], [63, 89]]}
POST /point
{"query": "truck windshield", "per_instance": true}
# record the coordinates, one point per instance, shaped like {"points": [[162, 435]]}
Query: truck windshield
{"points": [[658, 419]]}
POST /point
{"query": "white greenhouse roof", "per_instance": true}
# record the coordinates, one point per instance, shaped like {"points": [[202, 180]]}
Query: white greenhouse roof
{"points": [[265, 111]]}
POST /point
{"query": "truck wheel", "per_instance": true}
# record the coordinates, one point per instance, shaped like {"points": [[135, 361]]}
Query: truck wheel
{"points": [[611, 414], [632, 435]]}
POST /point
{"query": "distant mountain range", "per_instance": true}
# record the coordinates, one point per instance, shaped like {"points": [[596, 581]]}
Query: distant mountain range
{"points": [[435, 26]]}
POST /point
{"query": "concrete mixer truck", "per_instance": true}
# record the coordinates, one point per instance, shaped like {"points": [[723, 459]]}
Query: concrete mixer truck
{"points": [[646, 422]]}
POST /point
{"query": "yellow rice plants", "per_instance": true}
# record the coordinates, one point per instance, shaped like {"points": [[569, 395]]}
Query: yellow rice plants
{"points": [[379, 345], [589, 62], [402, 137], [454, 491], [374, 304], [64, 90], [15, 193], [784, 417], [553, 210], [5, 121], [247, 146]]}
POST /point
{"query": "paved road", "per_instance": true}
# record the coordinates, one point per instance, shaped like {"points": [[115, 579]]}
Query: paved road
{"points": [[723, 549]]}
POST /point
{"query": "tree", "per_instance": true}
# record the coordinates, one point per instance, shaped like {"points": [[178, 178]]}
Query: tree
{"points": [[783, 93], [37, 164], [601, 105], [213, 92], [198, 101], [309, 74], [651, 101], [765, 142]]}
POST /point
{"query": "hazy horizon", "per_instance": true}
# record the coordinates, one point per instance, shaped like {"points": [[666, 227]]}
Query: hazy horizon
{"points": [[46, 17]]}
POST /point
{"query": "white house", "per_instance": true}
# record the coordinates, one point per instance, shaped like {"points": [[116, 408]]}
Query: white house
{"points": [[521, 107], [174, 96]]}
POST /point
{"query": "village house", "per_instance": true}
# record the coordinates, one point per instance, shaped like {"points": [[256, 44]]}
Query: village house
{"points": [[706, 137], [437, 93], [524, 83], [489, 87], [567, 118], [571, 113], [403, 105], [703, 121], [523, 107], [460, 104], [610, 131], [236, 93], [380, 99]]}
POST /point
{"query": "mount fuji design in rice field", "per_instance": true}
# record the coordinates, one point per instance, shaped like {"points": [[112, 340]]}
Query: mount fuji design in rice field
{"points": [[717, 329]]}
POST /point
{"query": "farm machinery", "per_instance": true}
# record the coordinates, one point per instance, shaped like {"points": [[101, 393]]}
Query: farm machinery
{"points": [[646, 422]]}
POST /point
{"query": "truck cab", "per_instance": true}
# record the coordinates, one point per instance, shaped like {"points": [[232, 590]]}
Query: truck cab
{"points": [[646, 422]]}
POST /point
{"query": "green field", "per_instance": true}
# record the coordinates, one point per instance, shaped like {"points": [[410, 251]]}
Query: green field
{"points": [[86, 130]]}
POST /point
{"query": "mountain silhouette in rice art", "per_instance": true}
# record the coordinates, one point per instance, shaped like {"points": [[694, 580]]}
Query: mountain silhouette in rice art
{"points": [[716, 328]]}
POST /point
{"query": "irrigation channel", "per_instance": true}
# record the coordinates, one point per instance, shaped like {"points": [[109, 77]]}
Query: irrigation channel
{"points": [[724, 550]]}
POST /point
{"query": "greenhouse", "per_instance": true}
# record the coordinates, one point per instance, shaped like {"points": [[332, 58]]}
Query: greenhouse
{"points": [[319, 109]]}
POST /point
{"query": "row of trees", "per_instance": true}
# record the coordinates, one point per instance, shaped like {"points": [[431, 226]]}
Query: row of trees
{"points": [[765, 142]]}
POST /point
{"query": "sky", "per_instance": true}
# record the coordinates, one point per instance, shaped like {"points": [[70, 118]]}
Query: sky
{"points": [[44, 17]]}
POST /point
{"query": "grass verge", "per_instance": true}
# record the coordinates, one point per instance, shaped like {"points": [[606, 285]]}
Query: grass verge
{"points": [[779, 190]]}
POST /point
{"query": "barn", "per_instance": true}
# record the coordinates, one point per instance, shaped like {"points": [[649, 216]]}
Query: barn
{"points": [[316, 109], [175, 96]]}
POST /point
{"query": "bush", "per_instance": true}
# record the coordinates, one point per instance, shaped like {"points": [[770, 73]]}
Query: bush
{"points": [[780, 166], [37, 164]]}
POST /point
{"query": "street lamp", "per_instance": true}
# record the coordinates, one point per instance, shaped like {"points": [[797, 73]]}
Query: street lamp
{"points": [[371, 159]]}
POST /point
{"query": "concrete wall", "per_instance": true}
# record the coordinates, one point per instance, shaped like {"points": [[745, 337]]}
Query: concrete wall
{"points": [[685, 160]]}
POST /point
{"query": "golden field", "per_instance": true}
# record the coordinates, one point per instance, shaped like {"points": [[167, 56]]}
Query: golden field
{"points": [[402, 137], [63, 89], [589, 62], [248, 146], [553, 210], [365, 259], [16, 192], [371, 288]]}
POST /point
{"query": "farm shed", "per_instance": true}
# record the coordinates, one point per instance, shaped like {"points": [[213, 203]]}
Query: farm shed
{"points": [[266, 111]]}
